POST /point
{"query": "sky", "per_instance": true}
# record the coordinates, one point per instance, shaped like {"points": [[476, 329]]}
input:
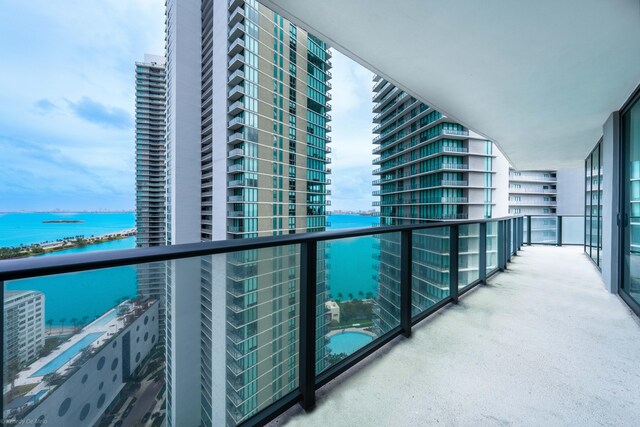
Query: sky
{"points": [[67, 107]]}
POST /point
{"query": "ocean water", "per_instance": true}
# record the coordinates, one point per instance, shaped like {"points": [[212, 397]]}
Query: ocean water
{"points": [[351, 263], [87, 295], [79, 296], [27, 228]]}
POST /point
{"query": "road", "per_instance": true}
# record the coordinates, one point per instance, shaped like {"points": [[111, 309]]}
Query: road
{"points": [[146, 402]]}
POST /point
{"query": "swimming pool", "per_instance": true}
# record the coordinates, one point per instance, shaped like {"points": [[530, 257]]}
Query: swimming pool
{"points": [[67, 355], [348, 342], [106, 319]]}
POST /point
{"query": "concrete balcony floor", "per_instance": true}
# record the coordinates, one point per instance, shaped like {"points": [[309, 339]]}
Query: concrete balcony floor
{"points": [[543, 344]]}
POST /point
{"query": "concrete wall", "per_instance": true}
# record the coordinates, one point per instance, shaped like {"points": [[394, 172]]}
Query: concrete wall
{"points": [[570, 191], [501, 184], [183, 120], [610, 202]]}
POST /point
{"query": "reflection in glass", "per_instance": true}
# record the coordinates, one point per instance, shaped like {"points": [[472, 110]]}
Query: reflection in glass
{"points": [[631, 133], [362, 294], [430, 268], [492, 246], [544, 229], [469, 254]]}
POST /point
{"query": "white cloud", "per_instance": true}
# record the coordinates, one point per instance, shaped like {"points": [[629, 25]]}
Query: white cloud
{"points": [[67, 89], [351, 135]]}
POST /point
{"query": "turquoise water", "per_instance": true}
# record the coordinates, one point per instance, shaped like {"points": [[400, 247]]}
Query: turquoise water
{"points": [[90, 294], [348, 342], [67, 355], [83, 295], [26, 228], [351, 263]]}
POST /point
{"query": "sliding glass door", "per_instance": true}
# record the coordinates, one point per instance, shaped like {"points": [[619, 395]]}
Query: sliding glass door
{"points": [[629, 219]]}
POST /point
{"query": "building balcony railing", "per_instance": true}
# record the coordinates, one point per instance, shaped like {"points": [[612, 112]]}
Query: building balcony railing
{"points": [[532, 178], [203, 275]]}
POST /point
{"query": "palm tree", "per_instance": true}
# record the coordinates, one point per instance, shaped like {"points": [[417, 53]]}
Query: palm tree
{"points": [[62, 324], [84, 320], [361, 294], [50, 323], [75, 324], [339, 296], [350, 296], [369, 295], [12, 372]]}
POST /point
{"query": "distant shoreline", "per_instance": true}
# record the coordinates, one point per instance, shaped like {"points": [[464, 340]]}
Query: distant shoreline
{"points": [[35, 249], [64, 212]]}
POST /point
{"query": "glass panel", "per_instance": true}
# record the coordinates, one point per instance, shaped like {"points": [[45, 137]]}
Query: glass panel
{"points": [[572, 230], [77, 343], [262, 329], [525, 224], [544, 229], [231, 336], [362, 297], [430, 268], [469, 254], [587, 207], [631, 249], [492, 246]]}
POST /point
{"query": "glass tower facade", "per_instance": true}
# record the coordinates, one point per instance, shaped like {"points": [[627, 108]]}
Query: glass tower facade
{"points": [[263, 143], [430, 169]]}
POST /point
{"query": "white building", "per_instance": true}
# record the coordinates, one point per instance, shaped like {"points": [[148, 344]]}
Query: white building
{"points": [[23, 325]]}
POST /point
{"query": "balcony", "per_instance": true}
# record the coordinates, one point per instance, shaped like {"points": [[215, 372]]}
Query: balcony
{"points": [[236, 62], [236, 123], [478, 345], [531, 324], [236, 153], [236, 31], [236, 137], [236, 107], [236, 16], [236, 77], [236, 47], [236, 92]]}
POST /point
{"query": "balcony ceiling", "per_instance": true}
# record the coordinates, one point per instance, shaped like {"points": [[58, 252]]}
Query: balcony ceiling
{"points": [[537, 77]]}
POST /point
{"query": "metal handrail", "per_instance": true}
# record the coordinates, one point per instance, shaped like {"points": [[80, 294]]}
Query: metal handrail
{"points": [[508, 232], [43, 266]]}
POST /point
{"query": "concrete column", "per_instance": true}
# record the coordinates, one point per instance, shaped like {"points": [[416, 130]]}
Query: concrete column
{"points": [[611, 148]]}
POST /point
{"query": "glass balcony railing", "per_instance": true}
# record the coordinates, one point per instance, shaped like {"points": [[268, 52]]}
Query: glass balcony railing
{"points": [[553, 230], [259, 323]]}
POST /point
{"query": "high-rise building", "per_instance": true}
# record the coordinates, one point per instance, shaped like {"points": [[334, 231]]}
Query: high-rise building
{"points": [[150, 174], [532, 192], [545, 194], [23, 325], [150, 151], [247, 135], [431, 168]]}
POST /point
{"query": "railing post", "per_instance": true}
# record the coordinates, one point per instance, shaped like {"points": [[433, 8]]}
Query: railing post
{"points": [[501, 246], [405, 281], [528, 230], [559, 230], [308, 281], [453, 262], [507, 241], [520, 232], [482, 253]]}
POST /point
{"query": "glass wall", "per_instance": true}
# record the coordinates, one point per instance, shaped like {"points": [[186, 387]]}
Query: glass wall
{"points": [[631, 209], [593, 205]]}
